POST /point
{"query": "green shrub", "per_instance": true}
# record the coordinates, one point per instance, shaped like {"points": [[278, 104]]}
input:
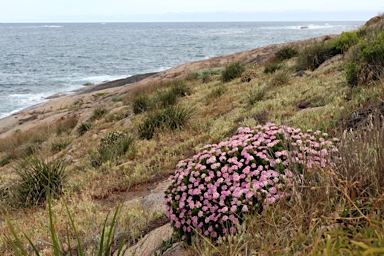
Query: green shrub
{"points": [[352, 74], [345, 41], [36, 178], [313, 56], [286, 53], [232, 71], [170, 118], [373, 51], [140, 103], [367, 62]]}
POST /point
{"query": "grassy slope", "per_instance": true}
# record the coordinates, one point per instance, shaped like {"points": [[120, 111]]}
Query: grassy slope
{"points": [[318, 100]]}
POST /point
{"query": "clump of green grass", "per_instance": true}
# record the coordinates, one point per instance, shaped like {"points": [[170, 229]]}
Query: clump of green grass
{"points": [[275, 63], [272, 67], [105, 243], [111, 147], [232, 71], [36, 177], [205, 75], [166, 98], [169, 118], [60, 144], [83, 128], [140, 103], [256, 95], [280, 78], [218, 91], [99, 113], [286, 53], [180, 88]]}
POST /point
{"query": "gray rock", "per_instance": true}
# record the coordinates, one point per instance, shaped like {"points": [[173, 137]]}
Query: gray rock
{"points": [[177, 249], [151, 242]]}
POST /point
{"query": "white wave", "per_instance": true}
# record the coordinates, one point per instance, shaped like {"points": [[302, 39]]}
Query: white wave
{"points": [[20, 101]]}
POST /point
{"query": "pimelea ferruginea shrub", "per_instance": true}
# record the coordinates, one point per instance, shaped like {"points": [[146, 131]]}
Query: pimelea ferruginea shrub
{"points": [[211, 192]]}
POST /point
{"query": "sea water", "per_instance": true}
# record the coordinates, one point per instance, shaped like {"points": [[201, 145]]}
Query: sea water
{"points": [[39, 60]]}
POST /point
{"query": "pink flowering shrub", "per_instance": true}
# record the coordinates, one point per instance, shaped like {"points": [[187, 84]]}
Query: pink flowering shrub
{"points": [[211, 192]]}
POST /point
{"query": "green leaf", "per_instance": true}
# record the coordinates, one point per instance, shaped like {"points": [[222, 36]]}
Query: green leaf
{"points": [[18, 246], [79, 247]]}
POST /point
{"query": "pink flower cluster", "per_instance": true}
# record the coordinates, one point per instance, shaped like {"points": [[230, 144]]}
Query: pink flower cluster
{"points": [[211, 192]]}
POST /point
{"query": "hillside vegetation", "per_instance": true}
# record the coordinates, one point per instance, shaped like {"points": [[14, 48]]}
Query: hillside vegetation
{"points": [[75, 175]]}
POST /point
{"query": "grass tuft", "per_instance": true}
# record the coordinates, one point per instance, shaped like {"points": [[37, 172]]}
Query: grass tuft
{"points": [[170, 118], [232, 71], [140, 103], [36, 178]]}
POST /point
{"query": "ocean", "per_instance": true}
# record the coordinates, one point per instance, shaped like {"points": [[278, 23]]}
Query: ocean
{"points": [[40, 60]]}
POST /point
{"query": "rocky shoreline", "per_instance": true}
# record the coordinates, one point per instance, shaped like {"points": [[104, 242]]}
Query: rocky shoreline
{"points": [[85, 100]]}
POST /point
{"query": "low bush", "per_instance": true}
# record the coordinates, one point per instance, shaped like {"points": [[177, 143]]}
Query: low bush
{"points": [[367, 61], [286, 53], [170, 118], [211, 192], [352, 74], [36, 178], [345, 41], [313, 56], [232, 71]]}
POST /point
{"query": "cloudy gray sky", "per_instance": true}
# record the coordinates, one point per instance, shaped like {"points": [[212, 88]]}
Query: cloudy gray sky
{"points": [[186, 10]]}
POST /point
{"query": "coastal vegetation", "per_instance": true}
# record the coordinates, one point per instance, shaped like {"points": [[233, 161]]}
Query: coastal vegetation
{"points": [[317, 137]]}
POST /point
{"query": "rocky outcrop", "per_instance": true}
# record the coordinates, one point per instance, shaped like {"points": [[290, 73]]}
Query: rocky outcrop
{"points": [[373, 21]]}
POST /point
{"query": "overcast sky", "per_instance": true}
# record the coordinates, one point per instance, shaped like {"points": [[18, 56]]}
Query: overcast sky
{"points": [[186, 10]]}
